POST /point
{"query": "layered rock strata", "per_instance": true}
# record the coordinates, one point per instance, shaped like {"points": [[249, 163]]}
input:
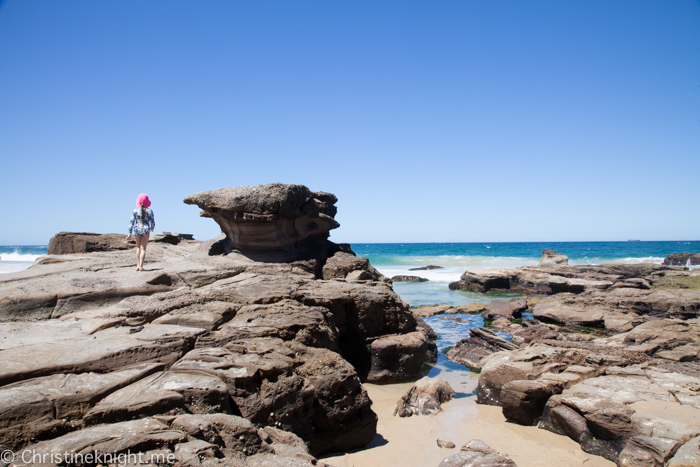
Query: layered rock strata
{"points": [[212, 359], [284, 221], [616, 396]]}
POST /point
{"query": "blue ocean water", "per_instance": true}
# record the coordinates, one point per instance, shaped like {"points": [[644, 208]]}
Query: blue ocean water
{"points": [[393, 259], [17, 258]]}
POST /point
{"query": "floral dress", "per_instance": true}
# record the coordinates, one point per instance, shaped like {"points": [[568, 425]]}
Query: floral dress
{"points": [[141, 227]]}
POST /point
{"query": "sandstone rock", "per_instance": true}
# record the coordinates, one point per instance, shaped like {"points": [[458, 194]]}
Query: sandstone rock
{"points": [[687, 455], [551, 258], [523, 401], [163, 393], [483, 280], [311, 392], [398, 357], [556, 312], [231, 433], [469, 308], [424, 397], [528, 334], [68, 243], [33, 408], [682, 259], [286, 319], [481, 343], [341, 265], [108, 350], [477, 454], [503, 324], [647, 450], [426, 311], [445, 443], [106, 441], [276, 217], [208, 315], [509, 309], [408, 279]]}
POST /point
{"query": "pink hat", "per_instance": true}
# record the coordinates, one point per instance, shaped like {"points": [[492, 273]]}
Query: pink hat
{"points": [[143, 198]]}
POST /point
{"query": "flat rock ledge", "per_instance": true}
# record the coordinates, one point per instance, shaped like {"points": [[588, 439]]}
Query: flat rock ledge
{"points": [[213, 359], [633, 398]]}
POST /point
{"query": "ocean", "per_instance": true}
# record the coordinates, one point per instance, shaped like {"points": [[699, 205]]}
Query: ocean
{"points": [[392, 259]]}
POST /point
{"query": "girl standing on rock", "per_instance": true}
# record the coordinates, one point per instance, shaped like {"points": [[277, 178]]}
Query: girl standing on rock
{"points": [[142, 224]]}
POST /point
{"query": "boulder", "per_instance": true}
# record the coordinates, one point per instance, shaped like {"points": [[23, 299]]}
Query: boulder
{"points": [[509, 309], [523, 401], [278, 218], [424, 397], [682, 259], [396, 357], [312, 392], [551, 258], [68, 243], [408, 279], [477, 454], [557, 312], [344, 265], [481, 343], [483, 280]]}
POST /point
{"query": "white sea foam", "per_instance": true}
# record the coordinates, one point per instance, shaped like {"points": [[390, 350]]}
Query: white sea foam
{"points": [[454, 266], [19, 257]]}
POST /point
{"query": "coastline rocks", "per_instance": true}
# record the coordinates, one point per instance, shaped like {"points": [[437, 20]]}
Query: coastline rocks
{"points": [[682, 259], [424, 398], [88, 344], [551, 258], [481, 343], [510, 309], [289, 220], [397, 357], [599, 414], [426, 268], [68, 243], [343, 265], [476, 453], [408, 279], [483, 280]]}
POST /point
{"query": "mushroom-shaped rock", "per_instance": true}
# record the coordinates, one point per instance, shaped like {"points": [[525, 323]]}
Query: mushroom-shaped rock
{"points": [[269, 218]]}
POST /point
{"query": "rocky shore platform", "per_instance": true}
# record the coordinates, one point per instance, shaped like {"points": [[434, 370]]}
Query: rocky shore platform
{"points": [[246, 350], [610, 359]]}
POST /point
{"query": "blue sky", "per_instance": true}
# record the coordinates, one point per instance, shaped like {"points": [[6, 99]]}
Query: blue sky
{"points": [[431, 121]]}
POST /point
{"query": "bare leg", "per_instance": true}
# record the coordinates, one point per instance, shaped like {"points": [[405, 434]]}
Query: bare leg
{"points": [[138, 253], [142, 249]]}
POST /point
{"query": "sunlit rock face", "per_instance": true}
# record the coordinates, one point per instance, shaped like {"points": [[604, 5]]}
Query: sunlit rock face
{"points": [[274, 218]]}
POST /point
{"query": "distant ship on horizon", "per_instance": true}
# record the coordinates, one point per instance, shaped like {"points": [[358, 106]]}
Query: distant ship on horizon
{"points": [[634, 240]]}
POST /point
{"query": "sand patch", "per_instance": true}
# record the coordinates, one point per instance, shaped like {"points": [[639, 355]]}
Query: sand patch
{"points": [[412, 441]]}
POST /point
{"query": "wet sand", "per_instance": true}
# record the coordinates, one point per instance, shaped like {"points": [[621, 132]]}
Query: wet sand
{"points": [[411, 442]]}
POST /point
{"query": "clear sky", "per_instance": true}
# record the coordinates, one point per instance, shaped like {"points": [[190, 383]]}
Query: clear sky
{"points": [[458, 121]]}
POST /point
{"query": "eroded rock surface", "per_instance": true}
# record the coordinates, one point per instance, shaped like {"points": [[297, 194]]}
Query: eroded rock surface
{"points": [[476, 453], [425, 397], [214, 359], [277, 218]]}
